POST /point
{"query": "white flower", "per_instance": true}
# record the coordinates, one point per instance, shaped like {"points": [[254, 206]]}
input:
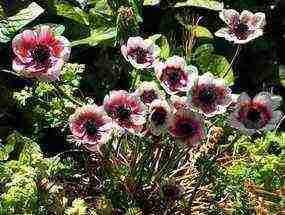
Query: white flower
{"points": [[243, 27], [257, 114]]}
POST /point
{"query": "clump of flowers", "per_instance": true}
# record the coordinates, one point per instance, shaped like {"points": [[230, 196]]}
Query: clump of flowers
{"points": [[125, 109], [175, 76], [39, 53], [148, 91], [210, 95], [243, 27], [91, 126], [140, 53], [255, 115]]}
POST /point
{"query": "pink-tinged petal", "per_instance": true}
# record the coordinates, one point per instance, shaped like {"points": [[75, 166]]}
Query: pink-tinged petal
{"points": [[206, 79], [179, 102], [134, 42], [263, 98], [124, 52], [244, 98], [176, 62], [246, 16], [228, 15], [257, 33], [18, 66], [21, 51], [235, 123], [45, 35], [54, 71], [61, 48], [28, 39], [259, 20], [276, 118]]}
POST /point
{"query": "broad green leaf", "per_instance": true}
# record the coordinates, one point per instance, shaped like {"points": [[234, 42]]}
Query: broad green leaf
{"points": [[10, 25], [209, 4], [200, 31], [2, 12], [97, 36], [207, 61], [74, 13], [151, 2], [100, 7]]}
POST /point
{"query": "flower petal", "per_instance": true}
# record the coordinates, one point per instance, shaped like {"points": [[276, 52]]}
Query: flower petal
{"points": [[246, 16], [228, 15], [61, 48], [276, 117], [243, 98]]}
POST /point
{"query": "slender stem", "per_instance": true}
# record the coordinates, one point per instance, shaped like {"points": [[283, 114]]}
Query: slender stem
{"points": [[57, 87], [228, 68]]}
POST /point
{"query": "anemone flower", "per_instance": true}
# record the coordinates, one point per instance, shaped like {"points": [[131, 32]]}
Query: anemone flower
{"points": [[255, 115], [125, 109], [91, 126], [140, 53], [39, 53], [186, 127], [210, 95], [159, 116], [243, 27], [175, 76], [148, 91]]}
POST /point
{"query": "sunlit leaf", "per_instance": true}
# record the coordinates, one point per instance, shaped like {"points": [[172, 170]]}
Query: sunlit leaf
{"points": [[200, 31], [97, 36], [74, 13], [209, 4], [151, 2], [10, 25], [207, 61], [164, 47]]}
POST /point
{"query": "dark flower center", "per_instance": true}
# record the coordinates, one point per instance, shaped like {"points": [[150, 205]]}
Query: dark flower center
{"points": [[241, 28], [254, 115], [159, 116], [174, 75], [139, 54], [148, 96], [208, 96], [123, 112], [186, 128], [41, 54], [90, 127]]}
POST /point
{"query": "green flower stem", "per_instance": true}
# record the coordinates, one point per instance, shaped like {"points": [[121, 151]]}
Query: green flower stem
{"points": [[228, 68], [71, 98], [136, 78]]}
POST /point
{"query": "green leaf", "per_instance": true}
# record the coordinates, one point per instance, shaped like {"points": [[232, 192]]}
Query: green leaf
{"points": [[74, 13], [164, 47], [154, 37], [207, 61], [151, 2], [29, 150], [6, 149], [97, 36], [10, 25], [200, 31], [209, 4]]}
